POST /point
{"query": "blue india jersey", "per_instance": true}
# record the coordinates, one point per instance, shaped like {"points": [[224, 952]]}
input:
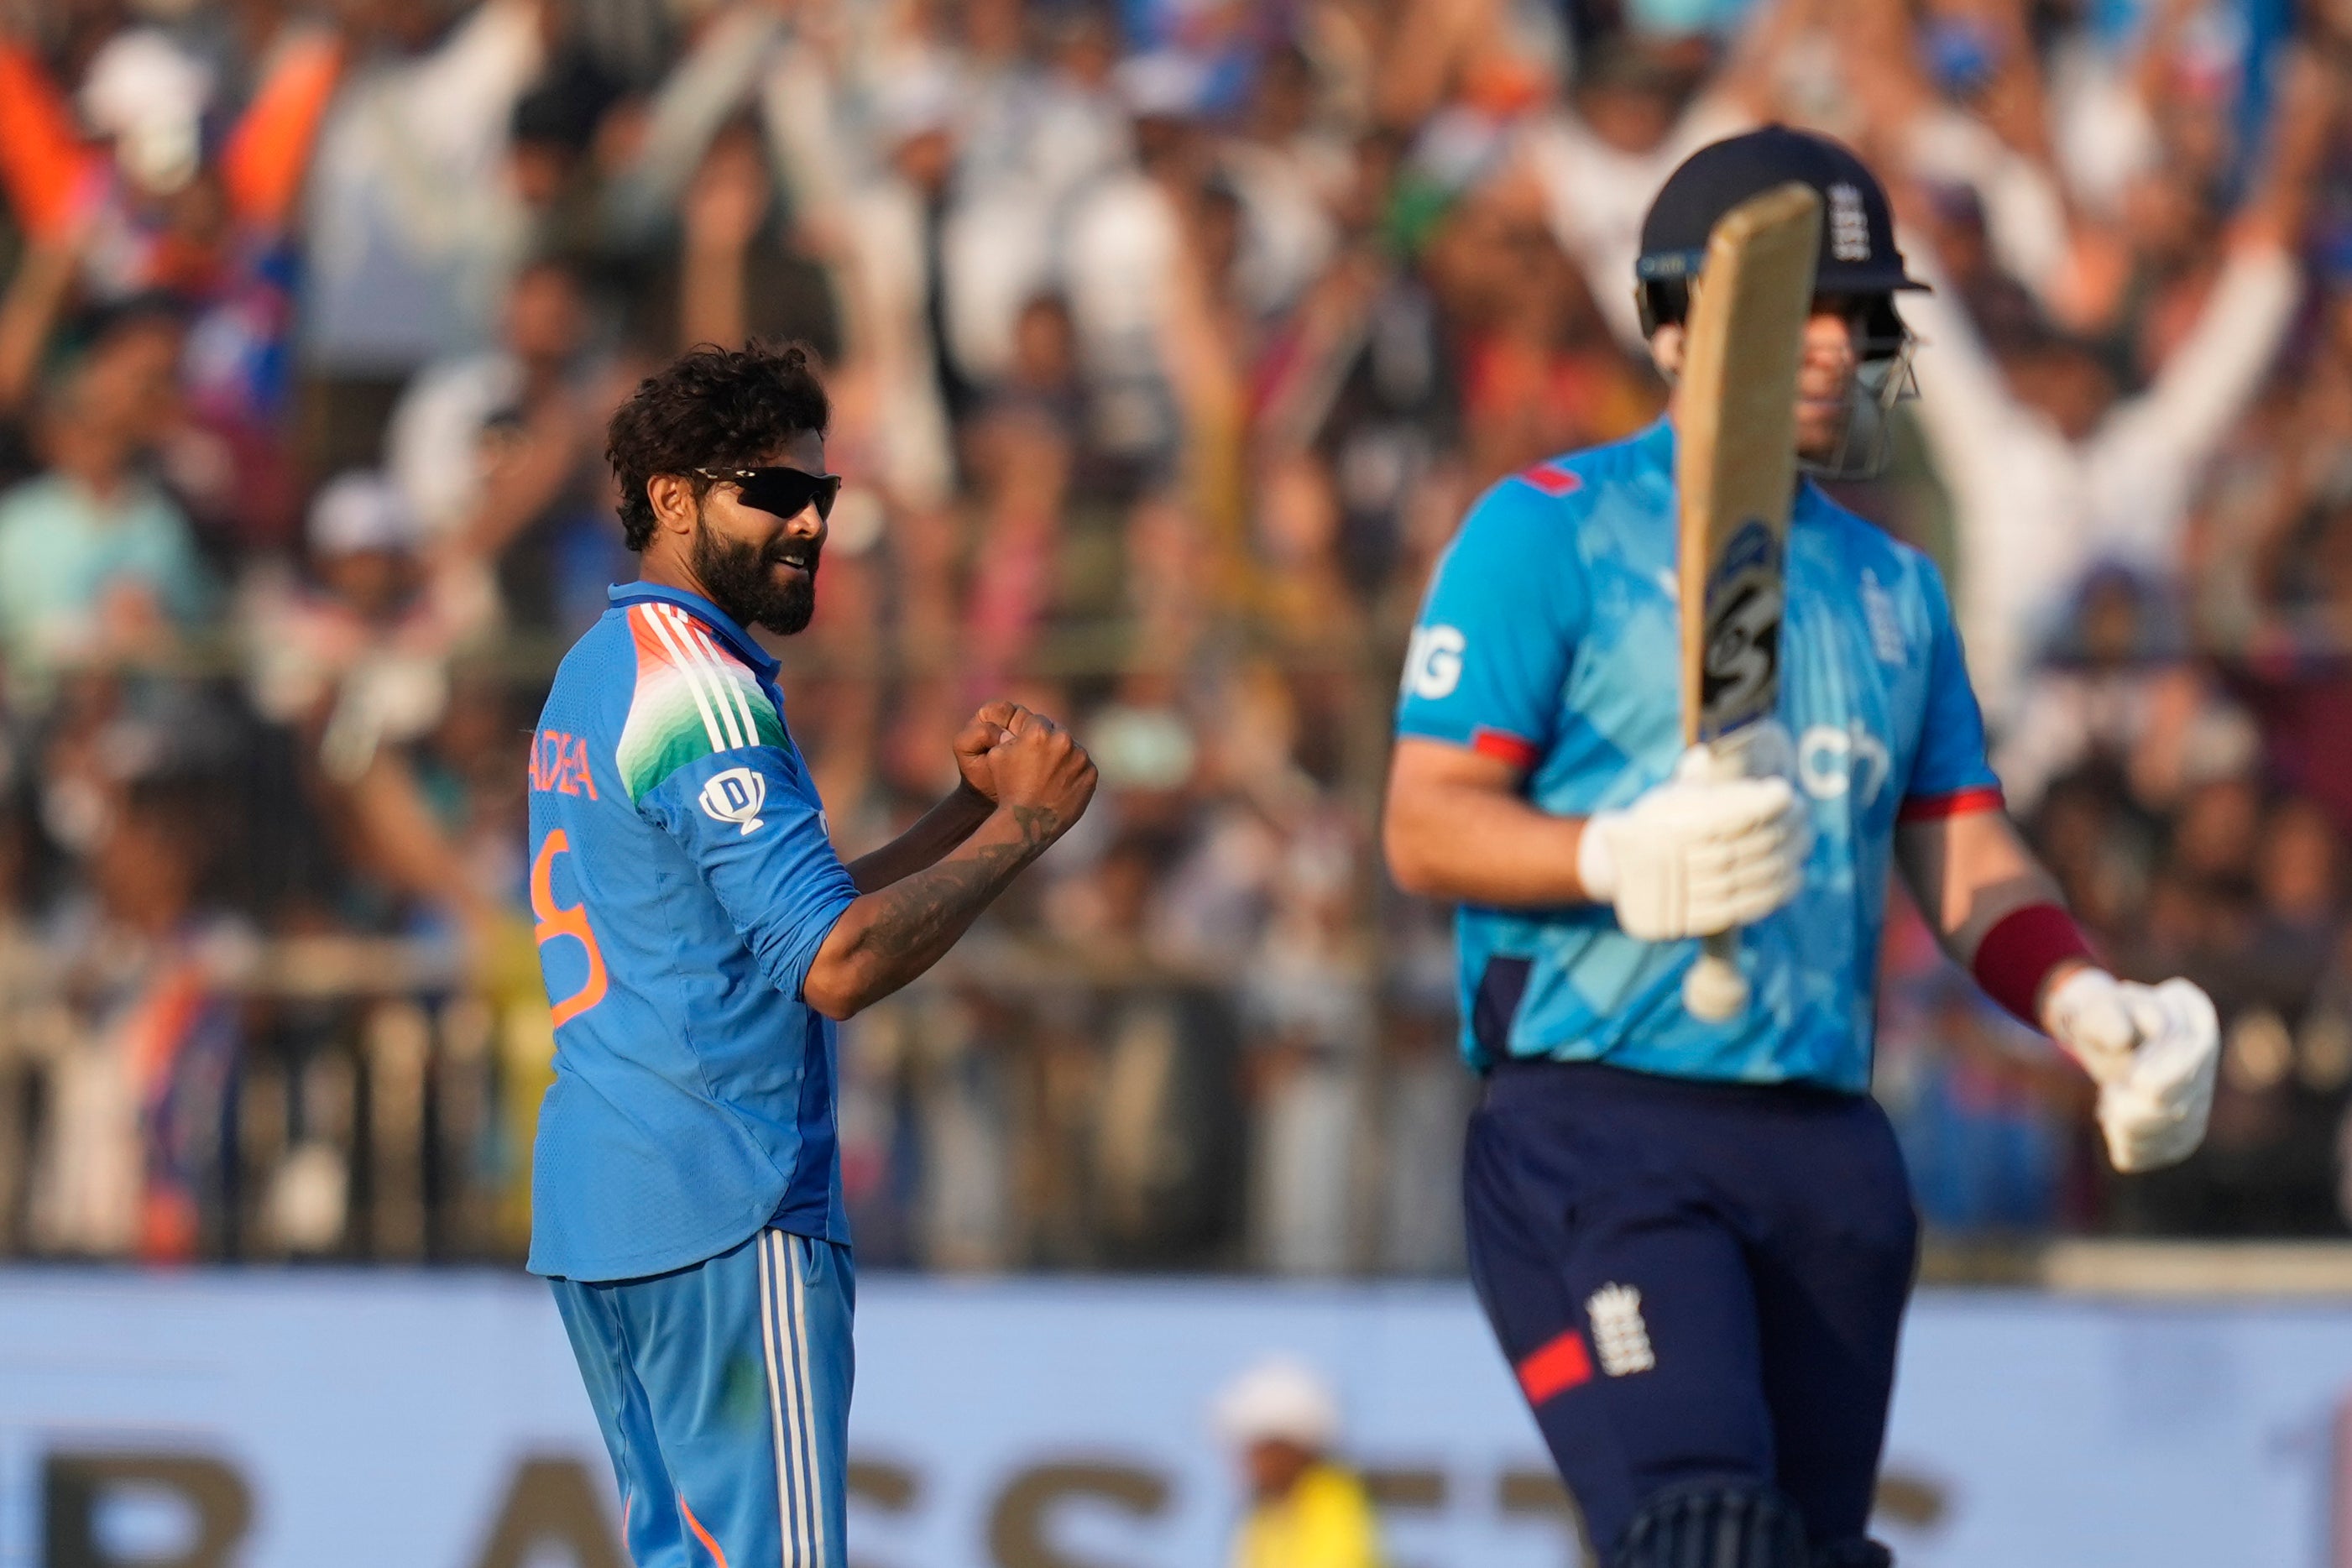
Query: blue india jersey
{"points": [[1550, 638], [682, 881]]}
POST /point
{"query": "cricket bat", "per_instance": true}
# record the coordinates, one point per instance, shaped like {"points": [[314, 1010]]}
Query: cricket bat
{"points": [[1735, 477]]}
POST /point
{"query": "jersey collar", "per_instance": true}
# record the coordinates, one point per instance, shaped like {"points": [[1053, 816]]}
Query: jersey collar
{"points": [[709, 613]]}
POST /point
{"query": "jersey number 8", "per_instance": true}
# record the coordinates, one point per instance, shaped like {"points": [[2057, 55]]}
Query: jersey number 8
{"points": [[571, 921]]}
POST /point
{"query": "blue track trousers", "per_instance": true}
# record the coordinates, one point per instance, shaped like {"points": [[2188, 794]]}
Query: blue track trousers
{"points": [[723, 1393]]}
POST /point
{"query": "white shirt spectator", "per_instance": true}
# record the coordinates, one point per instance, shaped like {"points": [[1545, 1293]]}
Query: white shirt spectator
{"points": [[710, 82], [2102, 135], [1016, 187], [890, 276], [413, 228], [2036, 510], [1288, 235], [432, 448], [1596, 195], [2024, 212]]}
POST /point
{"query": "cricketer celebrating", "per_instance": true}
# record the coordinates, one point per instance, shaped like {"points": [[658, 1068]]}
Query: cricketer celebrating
{"points": [[698, 936], [1695, 1240]]}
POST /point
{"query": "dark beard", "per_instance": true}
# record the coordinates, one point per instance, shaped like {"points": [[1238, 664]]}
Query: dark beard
{"points": [[736, 575]]}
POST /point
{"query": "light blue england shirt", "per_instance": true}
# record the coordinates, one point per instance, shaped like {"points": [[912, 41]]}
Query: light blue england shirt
{"points": [[1549, 638]]}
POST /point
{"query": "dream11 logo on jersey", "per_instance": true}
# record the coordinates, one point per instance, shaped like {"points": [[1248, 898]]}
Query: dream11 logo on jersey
{"points": [[737, 796]]}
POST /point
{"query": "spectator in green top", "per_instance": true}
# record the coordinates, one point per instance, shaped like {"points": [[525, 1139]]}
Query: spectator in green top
{"points": [[97, 561]]}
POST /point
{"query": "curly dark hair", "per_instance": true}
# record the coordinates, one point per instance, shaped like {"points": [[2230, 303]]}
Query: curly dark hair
{"points": [[709, 408]]}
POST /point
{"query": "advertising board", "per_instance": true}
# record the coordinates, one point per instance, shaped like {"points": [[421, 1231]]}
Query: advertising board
{"points": [[379, 1420]]}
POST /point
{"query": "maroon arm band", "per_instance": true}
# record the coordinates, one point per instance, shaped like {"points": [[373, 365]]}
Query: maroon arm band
{"points": [[2018, 954]]}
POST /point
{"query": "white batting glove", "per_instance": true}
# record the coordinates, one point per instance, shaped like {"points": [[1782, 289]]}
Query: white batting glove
{"points": [[2152, 1050], [1698, 854]]}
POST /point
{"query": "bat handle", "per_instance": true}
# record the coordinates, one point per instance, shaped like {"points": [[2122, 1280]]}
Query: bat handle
{"points": [[1714, 991]]}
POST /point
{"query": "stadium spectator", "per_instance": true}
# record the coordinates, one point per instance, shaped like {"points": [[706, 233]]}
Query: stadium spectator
{"points": [[2120, 689], [96, 561], [357, 657], [497, 454], [2051, 470], [1634, 113], [135, 1154], [412, 226], [1313, 1034], [1306, 1511], [144, 195], [1982, 1107]]}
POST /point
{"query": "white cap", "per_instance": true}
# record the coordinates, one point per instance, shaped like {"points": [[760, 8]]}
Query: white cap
{"points": [[150, 95], [1280, 1399], [361, 511]]}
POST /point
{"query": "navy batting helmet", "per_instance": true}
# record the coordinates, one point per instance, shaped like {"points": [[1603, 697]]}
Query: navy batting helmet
{"points": [[1858, 256], [1858, 262]]}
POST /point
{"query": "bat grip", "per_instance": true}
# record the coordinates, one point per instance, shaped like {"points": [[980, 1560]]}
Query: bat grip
{"points": [[1714, 990]]}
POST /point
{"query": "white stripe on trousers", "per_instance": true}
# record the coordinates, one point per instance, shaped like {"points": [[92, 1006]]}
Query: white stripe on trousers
{"points": [[768, 1327], [784, 1335], [815, 1489]]}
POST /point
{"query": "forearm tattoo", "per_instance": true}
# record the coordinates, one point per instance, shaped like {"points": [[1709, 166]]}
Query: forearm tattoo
{"points": [[925, 911]]}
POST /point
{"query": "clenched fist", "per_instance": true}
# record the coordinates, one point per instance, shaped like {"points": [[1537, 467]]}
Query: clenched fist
{"points": [[972, 743], [1039, 772]]}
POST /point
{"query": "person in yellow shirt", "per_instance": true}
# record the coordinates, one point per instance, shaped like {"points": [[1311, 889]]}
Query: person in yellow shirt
{"points": [[1306, 1511]]}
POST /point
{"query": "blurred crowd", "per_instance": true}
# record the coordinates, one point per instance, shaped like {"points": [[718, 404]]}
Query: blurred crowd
{"points": [[1169, 341]]}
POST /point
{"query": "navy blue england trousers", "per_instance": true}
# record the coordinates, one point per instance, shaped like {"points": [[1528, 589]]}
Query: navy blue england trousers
{"points": [[1693, 1282]]}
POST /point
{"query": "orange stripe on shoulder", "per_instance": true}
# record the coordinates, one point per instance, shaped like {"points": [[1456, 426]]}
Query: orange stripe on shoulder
{"points": [[651, 650]]}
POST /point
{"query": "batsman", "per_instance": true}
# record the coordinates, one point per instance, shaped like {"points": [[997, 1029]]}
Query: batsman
{"points": [[1670, 718]]}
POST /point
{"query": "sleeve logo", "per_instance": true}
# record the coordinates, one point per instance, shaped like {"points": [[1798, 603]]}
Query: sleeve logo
{"points": [[1433, 662], [735, 795]]}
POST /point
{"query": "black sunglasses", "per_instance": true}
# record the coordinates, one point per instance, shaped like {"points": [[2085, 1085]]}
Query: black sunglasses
{"points": [[786, 492]]}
